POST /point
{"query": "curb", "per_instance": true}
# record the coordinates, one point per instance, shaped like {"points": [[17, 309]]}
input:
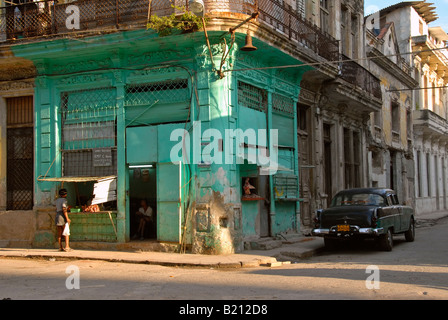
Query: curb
{"points": [[253, 263]]}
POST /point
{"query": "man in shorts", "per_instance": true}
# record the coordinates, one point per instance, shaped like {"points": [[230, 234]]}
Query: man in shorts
{"points": [[62, 218]]}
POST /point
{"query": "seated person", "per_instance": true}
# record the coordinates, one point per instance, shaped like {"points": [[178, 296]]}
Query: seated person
{"points": [[146, 215]]}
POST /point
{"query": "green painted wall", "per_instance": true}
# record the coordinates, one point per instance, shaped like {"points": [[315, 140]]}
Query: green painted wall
{"points": [[161, 84]]}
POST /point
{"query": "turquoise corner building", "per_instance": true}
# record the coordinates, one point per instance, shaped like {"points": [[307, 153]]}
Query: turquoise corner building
{"points": [[106, 106]]}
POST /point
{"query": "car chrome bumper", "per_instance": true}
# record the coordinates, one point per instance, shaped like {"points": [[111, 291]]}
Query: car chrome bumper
{"points": [[353, 230]]}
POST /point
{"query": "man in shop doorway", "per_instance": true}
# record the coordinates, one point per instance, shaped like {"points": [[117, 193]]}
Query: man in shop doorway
{"points": [[145, 213]]}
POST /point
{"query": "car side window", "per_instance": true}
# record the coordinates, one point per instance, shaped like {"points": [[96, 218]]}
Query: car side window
{"points": [[396, 199], [389, 200]]}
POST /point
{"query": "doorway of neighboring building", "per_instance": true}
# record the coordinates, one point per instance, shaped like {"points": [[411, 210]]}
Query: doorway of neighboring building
{"points": [[143, 187], [306, 185], [20, 153], [328, 183]]}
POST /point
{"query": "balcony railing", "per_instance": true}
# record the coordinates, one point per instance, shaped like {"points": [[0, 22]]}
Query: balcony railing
{"points": [[355, 74], [48, 17], [284, 19]]}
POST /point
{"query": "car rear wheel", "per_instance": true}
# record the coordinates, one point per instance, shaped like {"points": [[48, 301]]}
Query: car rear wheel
{"points": [[410, 234], [386, 241]]}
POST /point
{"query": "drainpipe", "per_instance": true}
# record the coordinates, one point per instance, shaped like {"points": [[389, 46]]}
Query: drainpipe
{"points": [[122, 196], [296, 164], [271, 179]]}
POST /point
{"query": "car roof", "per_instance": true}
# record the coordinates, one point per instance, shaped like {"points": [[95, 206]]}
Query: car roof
{"points": [[381, 191]]}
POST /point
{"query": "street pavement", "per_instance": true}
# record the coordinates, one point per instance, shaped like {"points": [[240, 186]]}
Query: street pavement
{"points": [[290, 249]]}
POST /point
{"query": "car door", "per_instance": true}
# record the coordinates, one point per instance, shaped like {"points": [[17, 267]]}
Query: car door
{"points": [[397, 212], [403, 215], [386, 213]]}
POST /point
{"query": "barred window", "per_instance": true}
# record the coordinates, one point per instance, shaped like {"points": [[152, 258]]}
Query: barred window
{"points": [[252, 97], [88, 124], [164, 92], [282, 104]]}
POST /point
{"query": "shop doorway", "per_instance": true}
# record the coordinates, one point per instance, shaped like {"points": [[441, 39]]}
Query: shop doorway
{"points": [[143, 188]]}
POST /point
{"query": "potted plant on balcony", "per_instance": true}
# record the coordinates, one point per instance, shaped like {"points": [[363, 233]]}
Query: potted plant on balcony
{"points": [[175, 23]]}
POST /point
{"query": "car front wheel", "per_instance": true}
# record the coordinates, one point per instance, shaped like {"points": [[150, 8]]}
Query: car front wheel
{"points": [[386, 241]]}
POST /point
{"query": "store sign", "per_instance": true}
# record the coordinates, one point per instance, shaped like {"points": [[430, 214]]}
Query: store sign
{"points": [[102, 157], [105, 190]]}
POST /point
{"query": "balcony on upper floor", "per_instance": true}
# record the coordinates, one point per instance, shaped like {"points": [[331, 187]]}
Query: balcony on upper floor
{"points": [[360, 77], [435, 54], [430, 123], [356, 90], [45, 19]]}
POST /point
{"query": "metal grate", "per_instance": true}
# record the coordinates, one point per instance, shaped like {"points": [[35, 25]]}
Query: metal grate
{"points": [[283, 104], [359, 76], [20, 111], [88, 119], [286, 187], [88, 124], [20, 165], [163, 92], [252, 97], [80, 163], [50, 17]]}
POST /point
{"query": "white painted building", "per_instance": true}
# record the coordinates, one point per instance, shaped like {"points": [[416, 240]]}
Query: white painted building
{"points": [[424, 48]]}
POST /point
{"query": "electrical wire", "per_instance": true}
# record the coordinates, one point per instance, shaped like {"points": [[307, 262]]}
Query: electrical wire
{"points": [[334, 61]]}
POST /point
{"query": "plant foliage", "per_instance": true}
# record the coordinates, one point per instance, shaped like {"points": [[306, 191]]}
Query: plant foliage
{"points": [[185, 22]]}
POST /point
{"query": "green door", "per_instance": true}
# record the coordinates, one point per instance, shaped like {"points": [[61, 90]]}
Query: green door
{"points": [[168, 202]]}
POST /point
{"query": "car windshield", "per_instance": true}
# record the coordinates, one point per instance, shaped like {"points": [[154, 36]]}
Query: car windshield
{"points": [[358, 199]]}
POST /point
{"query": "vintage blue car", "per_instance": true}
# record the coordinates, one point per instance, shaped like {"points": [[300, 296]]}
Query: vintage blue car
{"points": [[365, 213]]}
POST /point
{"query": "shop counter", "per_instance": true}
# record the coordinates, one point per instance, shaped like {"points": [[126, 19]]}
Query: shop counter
{"points": [[93, 226]]}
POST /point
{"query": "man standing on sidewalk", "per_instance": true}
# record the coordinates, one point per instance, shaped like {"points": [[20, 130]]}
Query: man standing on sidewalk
{"points": [[62, 218]]}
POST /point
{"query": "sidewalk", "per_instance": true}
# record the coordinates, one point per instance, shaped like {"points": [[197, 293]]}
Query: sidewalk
{"points": [[247, 259], [289, 249]]}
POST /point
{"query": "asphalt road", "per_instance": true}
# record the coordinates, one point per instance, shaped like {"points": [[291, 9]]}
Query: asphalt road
{"points": [[417, 270]]}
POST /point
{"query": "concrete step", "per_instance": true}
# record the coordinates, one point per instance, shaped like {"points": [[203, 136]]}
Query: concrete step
{"points": [[265, 244], [143, 246]]}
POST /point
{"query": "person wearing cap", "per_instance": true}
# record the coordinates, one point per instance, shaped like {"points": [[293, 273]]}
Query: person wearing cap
{"points": [[62, 218]]}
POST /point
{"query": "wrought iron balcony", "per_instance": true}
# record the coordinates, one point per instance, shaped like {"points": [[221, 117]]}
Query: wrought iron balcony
{"points": [[49, 17], [362, 78]]}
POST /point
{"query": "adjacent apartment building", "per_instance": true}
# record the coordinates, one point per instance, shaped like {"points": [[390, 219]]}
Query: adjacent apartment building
{"points": [[391, 140], [334, 112], [424, 48]]}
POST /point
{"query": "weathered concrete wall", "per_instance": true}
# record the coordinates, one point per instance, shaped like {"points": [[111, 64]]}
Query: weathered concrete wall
{"points": [[17, 228], [2, 154]]}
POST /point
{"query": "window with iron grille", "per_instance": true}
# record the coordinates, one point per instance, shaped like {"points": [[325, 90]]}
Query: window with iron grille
{"points": [[157, 102], [164, 92], [88, 123], [19, 153], [283, 105], [252, 97]]}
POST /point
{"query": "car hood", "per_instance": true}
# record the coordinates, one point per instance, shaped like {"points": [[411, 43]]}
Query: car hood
{"points": [[354, 215]]}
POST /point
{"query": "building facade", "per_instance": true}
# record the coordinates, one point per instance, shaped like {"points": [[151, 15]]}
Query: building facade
{"points": [[124, 113], [429, 68], [334, 112], [391, 142]]}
